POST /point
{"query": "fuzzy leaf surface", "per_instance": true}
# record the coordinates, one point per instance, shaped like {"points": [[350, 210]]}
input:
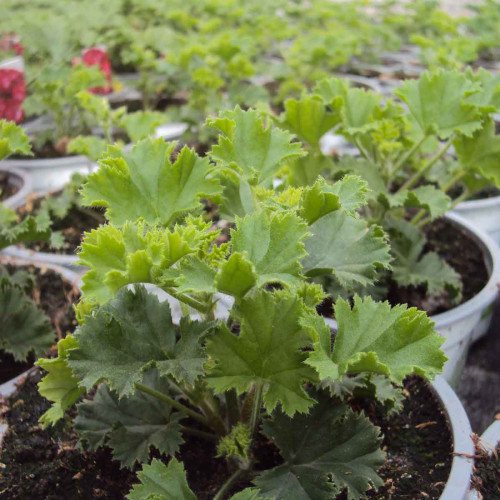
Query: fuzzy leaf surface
{"points": [[131, 334], [267, 351], [326, 451], [13, 140], [130, 426]]}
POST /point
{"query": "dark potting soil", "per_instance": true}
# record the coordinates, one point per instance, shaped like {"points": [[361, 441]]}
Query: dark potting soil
{"points": [[486, 477], [55, 296], [481, 376], [460, 251], [7, 188], [45, 464], [77, 221]]}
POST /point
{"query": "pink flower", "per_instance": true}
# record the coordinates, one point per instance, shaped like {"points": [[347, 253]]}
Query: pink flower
{"points": [[11, 41], [12, 94], [96, 56]]}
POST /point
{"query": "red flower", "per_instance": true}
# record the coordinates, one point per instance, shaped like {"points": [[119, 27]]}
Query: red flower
{"points": [[12, 94], [97, 57], [11, 42]]}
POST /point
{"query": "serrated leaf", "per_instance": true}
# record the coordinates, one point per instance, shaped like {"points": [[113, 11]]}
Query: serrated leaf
{"points": [[352, 192], [247, 143], [59, 386], [26, 231], [412, 266], [487, 99], [130, 426], [13, 140], [307, 118], [90, 146], [25, 328], [160, 481], [267, 352], [141, 124], [326, 451], [236, 276], [130, 254], [305, 170], [373, 337], [347, 248], [249, 494], [144, 184], [273, 244], [481, 152], [317, 201], [438, 103], [131, 334]]}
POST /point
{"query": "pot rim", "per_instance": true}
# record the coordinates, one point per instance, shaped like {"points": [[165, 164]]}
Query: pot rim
{"points": [[474, 204], [19, 197], [486, 295], [48, 163]]}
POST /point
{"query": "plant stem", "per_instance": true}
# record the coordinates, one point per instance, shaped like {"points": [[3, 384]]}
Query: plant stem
{"points": [[362, 149], [421, 172], [453, 181], [232, 408], [257, 401], [172, 402], [408, 155], [195, 432], [195, 304], [417, 217], [227, 485], [461, 198]]}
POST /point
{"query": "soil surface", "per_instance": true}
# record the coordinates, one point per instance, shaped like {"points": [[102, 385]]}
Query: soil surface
{"points": [[460, 251], [55, 296], [7, 188], [45, 464], [77, 221], [487, 473], [481, 376]]}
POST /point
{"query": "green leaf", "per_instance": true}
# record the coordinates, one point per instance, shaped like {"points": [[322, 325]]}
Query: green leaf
{"points": [[130, 426], [159, 481], [249, 145], [307, 118], [487, 99], [26, 231], [131, 254], [236, 276], [325, 452], [141, 124], [25, 328], [481, 152], [59, 386], [305, 170], [131, 334], [317, 201], [249, 494], [267, 351], [143, 183], [13, 140], [273, 244], [352, 192], [373, 337], [347, 248], [438, 103], [412, 266], [90, 146]]}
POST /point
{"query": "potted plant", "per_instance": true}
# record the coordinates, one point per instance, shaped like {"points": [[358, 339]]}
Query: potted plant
{"points": [[388, 140], [270, 372]]}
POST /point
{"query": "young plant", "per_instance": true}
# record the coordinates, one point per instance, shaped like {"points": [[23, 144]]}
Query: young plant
{"points": [[270, 370]]}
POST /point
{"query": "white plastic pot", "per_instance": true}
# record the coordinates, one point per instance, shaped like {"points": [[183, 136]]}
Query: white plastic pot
{"points": [[470, 320], [50, 174], [489, 441], [484, 214], [22, 181]]}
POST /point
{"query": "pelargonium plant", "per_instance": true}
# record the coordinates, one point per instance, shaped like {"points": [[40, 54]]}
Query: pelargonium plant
{"points": [[12, 94], [154, 374], [97, 56]]}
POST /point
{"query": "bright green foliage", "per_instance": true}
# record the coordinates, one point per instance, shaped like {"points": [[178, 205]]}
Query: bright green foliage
{"points": [[13, 140], [488, 98], [236, 443], [130, 425], [352, 192], [266, 352], [162, 482], [131, 254], [308, 119], [236, 276], [438, 103], [249, 494], [373, 337], [59, 386], [144, 184], [131, 334], [25, 328], [413, 267], [317, 201], [27, 230], [273, 244], [250, 147], [90, 146], [141, 124], [347, 248], [481, 153], [327, 450]]}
